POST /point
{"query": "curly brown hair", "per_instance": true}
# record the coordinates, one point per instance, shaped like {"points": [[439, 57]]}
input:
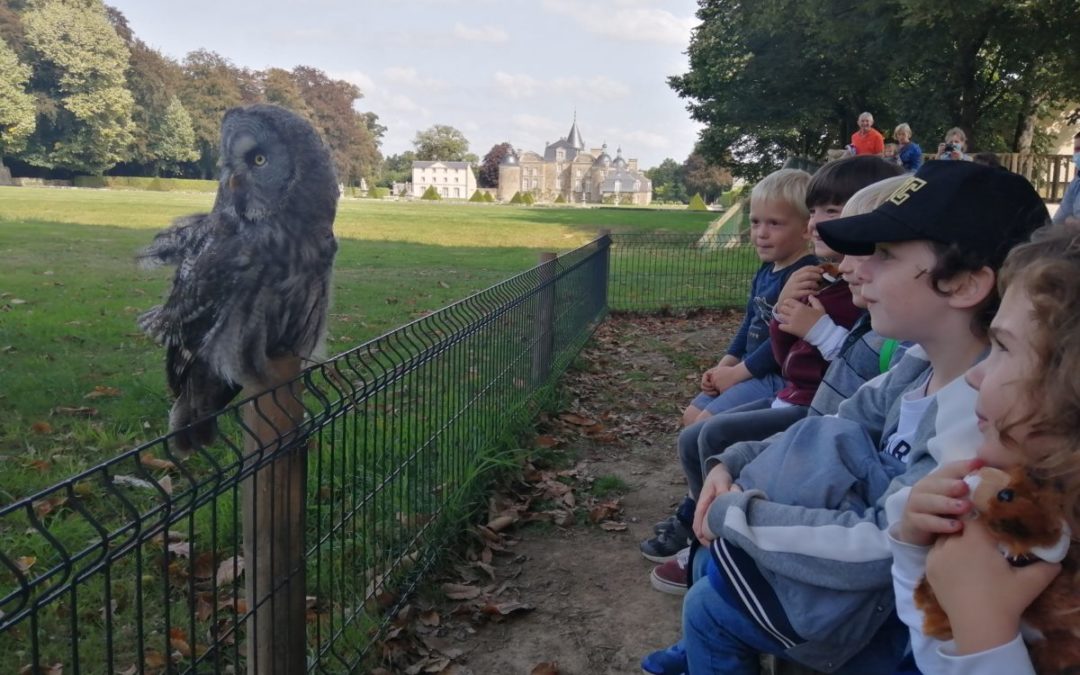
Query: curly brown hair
{"points": [[1048, 268]]}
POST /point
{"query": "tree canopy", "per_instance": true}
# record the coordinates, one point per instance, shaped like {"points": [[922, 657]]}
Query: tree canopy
{"points": [[488, 175], [441, 142], [80, 93], [791, 76]]}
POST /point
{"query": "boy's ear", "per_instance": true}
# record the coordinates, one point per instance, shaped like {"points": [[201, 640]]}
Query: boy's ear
{"points": [[968, 289]]}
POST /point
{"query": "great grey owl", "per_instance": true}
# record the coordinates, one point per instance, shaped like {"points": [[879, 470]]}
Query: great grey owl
{"points": [[252, 278]]}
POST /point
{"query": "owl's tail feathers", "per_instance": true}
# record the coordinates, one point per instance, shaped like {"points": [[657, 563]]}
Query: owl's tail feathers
{"points": [[192, 417]]}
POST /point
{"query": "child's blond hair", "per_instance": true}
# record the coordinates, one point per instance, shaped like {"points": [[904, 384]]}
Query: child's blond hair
{"points": [[786, 186], [872, 196], [1048, 269]]}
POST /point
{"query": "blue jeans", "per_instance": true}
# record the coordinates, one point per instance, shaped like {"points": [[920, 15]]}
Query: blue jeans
{"points": [[720, 637], [754, 421], [744, 392]]}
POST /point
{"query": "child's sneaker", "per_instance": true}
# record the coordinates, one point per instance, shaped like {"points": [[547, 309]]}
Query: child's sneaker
{"points": [[664, 546], [672, 576], [670, 523], [670, 661]]}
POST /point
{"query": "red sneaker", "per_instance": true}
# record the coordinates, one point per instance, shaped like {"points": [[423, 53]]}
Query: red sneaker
{"points": [[672, 577]]}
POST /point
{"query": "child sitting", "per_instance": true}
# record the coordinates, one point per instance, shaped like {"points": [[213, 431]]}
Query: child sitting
{"points": [[800, 563], [1027, 409], [800, 313], [748, 371]]}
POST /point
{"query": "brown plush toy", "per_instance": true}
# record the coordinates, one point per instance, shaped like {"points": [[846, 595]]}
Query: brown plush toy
{"points": [[1025, 516]]}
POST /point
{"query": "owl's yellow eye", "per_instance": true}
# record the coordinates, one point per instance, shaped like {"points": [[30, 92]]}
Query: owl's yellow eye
{"points": [[259, 160]]}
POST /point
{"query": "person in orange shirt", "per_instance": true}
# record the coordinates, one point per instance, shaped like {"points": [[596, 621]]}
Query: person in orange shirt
{"points": [[867, 140]]}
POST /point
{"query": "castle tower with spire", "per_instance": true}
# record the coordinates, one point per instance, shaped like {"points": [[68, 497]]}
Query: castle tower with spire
{"points": [[578, 175]]}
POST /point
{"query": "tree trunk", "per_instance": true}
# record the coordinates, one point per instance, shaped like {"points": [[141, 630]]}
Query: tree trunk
{"points": [[1025, 123]]}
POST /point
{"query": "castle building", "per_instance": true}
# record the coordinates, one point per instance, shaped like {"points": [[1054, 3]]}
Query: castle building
{"points": [[567, 170]]}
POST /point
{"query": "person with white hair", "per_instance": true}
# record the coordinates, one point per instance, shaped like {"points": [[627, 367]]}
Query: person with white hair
{"points": [[867, 140]]}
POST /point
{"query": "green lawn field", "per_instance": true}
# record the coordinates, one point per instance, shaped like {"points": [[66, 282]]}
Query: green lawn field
{"points": [[80, 384]]}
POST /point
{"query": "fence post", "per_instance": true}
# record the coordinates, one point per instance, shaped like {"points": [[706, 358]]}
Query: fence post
{"points": [[273, 502], [545, 318], [604, 270]]}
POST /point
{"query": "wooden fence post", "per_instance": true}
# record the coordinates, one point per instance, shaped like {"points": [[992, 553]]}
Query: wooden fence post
{"points": [[273, 503], [545, 319]]}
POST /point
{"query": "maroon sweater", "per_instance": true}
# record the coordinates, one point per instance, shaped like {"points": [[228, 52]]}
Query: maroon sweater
{"points": [[801, 364]]}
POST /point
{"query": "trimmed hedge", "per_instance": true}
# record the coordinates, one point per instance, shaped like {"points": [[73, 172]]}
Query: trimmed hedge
{"points": [[697, 204], [146, 183], [378, 192], [560, 199], [477, 197], [528, 199], [431, 194], [517, 199], [487, 197]]}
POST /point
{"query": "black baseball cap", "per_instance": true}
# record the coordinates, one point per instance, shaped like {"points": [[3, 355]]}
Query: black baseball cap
{"points": [[984, 209]]}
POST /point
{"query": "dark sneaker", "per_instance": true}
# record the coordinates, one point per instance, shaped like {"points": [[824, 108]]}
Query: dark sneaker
{"points": [[670, 661], [672, 576], [666, 525], [664, 546]]}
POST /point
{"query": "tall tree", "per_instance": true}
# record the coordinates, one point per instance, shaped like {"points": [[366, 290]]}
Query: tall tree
{"points": [[667, 181], [173, 143], [771, 79], [352, 143], [488, 176], [211, 85], [16, 104], [81, 61], [280, 88], [441, 142], [701, 177], [397, 168]]}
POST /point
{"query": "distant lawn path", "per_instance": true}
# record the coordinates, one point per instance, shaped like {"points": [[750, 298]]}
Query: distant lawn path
{"points": [[69, 293]]}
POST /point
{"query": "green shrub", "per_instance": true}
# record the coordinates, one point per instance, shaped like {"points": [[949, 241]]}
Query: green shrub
{"points": [[378, 192], [528, 199], [517, 199], [431, 194], [148, 183], [560, 199], [627, 200], [488, 197], [477, 196], [697, 204]]}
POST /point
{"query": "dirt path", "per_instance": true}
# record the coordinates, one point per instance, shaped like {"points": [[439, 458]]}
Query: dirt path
{"points": [[577, 596]]}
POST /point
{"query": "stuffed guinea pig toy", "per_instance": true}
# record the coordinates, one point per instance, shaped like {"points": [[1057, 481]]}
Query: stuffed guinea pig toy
{"points": [[1024, 515]]}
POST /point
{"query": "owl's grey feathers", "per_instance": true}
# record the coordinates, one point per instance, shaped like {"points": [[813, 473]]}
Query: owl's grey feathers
{"points": [[252, 278]]}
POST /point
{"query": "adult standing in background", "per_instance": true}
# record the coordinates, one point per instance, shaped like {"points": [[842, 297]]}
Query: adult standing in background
{"points": [[868, 140], [909, 153], [955, 145], [1069, 210]]}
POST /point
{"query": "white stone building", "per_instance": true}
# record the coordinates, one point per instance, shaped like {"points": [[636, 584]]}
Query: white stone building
{"points": [[452, 180]]}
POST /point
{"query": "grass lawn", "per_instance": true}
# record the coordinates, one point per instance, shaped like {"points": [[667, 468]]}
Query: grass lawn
{"points": [[70, 292]]}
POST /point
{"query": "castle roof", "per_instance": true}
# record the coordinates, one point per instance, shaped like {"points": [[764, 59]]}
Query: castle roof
{"points": [[574, 136], [419, 164]]}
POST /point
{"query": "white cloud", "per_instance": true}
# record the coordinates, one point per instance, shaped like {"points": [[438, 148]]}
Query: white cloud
{"points": [[648, 139], [492, 34], [359, 78], [597, 88], [402, 103], [411, 78], [629, 22], [535, 123]]}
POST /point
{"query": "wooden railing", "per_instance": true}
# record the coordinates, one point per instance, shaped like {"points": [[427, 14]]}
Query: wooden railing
{"points": [[1050, 174]]}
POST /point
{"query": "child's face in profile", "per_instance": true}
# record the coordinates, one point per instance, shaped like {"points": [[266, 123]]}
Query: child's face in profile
{"points": [[778, 231], [898, 294], [820, 214], [1004, 400], [849, 269]]}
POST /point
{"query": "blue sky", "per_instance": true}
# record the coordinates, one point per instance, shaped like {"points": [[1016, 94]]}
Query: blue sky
{"points": [[498, 70]]}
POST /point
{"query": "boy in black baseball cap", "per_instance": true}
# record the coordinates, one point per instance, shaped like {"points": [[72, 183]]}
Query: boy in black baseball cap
{"points": [[800, 563]]}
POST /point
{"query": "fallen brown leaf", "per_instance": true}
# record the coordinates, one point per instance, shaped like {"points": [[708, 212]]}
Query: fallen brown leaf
{"points": [[612, 526], [574, 418], [75, 411], [41, 428], [545, 668], [460, 591], [151, 462], [103, 391], [546, 441]]}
